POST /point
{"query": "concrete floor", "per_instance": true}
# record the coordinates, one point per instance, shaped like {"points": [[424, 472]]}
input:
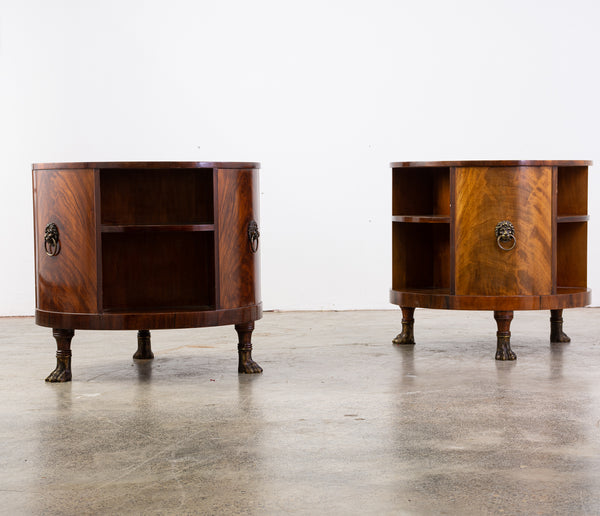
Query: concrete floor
{"points": [[340, 422]]}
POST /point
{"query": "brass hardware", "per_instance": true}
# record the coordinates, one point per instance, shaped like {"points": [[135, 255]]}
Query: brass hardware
{"points": [[253, 235], [505, 232], [51, 241]]}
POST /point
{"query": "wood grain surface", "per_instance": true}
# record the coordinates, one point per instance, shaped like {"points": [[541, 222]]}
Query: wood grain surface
{"points": [[67, 282], [486, 196], [239, 268], [441, 299]]}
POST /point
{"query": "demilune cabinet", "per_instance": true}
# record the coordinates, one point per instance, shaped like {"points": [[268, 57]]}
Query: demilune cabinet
{"points": [[146, 245], [490, 235]]}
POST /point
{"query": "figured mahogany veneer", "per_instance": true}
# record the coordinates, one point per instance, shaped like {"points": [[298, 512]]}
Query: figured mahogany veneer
{"points": [[146, 245], [447, 255]]}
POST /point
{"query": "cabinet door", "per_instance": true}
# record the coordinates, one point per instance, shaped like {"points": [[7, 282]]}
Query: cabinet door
{"points": [[67, 282], [486, 196], [239, 265]]}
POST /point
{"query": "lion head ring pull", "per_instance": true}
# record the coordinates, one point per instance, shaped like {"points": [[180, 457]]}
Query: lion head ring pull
{"points": [[51, 241], [253, 235], [505, 232]]}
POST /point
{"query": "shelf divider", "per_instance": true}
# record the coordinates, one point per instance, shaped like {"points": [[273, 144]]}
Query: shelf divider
{"points": [[427, 219], [572, 218], [141, 228]]}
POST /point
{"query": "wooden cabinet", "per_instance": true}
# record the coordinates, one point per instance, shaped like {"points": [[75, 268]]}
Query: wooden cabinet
{"points": [[490, 235], [146, 246]]}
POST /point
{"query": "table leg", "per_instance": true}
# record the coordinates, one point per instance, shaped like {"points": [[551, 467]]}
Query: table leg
{"points": [[62, 373], [246, 364], [503, 320], [408, 322], [556, 327]]}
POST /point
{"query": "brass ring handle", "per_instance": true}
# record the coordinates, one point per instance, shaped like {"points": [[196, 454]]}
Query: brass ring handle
{"points": [[507, 248], [51, 240], [505, 232], [253, 235]]}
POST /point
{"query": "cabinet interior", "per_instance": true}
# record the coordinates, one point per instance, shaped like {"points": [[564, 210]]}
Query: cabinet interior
{"points": [[154, 271], [571, 236], [155, 197], [421, 191], [571, 254], [572, 195], [421, 256]]}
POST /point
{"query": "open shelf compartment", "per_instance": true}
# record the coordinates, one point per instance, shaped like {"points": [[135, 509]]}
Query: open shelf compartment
{"points": [[130, 197], [158, 271], [421, 191], [572, 192], [571, 254], [421, 256]]}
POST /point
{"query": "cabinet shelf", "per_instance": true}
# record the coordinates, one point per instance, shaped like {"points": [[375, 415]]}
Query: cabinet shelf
{"points": [[141, 228], [161, 310], [427, 219], [572, 218]]}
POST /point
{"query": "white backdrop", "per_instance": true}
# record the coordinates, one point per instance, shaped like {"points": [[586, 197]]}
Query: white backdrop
{"points": [[323, 93]]}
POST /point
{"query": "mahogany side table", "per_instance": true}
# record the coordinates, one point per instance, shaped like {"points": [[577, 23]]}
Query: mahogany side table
{"points": [[490, 235], [146, 245]]}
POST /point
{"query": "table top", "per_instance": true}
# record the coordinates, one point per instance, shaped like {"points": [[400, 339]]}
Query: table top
{"points": [[493, 163], [146, 165]]}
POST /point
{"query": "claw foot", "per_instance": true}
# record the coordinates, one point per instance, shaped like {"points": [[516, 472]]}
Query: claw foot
{"points": [[559, 336], [144, 351], [556, 327], [62, 373], [503, 352], [406, 337], [247, 365]]}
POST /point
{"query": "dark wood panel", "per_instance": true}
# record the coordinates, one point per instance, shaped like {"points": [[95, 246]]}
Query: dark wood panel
{"points": [[486, 196], [150, 271], [493, 163], [150, 320], [154, 197], [239, 268], [67, 282], [441, 299]]}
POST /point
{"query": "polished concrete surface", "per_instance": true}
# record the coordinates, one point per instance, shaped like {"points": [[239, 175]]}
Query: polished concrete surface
{"points": [[340, 422]]}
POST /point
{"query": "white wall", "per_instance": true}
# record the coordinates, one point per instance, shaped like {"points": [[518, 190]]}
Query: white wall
{"points": [[323, 93]]}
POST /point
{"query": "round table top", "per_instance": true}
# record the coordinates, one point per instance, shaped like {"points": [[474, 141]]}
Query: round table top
{"points": [[146, 165], [493, 163]]}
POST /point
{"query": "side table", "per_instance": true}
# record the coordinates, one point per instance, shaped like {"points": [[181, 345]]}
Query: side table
{"points": [[490, 235], [146, 245]]}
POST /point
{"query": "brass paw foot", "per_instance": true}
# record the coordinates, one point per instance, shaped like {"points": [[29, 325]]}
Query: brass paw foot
{"points": [[556, 327], [144, 351], [559, 336], [503, 351], [406, 337], [62, 373], [247, 365]]}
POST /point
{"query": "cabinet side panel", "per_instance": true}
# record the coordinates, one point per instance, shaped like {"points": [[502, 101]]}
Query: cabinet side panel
{"points": [[66, 282], [239, 267], [486, 196]]}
